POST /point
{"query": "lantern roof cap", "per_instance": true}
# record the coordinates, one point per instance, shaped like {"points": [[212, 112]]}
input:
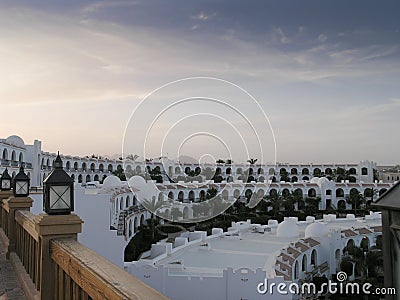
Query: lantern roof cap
{"points": [[21, 174], [5, 174]]}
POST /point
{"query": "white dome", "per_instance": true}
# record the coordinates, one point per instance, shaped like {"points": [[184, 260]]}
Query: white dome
{"points": [[111, 181], [288, 228], [322, 180], [16, 141], [314, 180], [316, 229]]}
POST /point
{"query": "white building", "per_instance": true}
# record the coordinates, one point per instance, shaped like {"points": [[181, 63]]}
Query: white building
{"points": [[38, 164], [230, 265]]}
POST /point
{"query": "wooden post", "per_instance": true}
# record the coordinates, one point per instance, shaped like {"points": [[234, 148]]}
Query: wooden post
{"points": [[49, 227], [11, 205], [3, 195]]}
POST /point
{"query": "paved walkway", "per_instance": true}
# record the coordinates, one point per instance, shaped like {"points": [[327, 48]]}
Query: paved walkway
{"points": [[8, 279]]}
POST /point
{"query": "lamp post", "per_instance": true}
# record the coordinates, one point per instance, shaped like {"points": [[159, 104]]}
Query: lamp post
{"points": [[5, 181], [58, 195], [21, 184]]}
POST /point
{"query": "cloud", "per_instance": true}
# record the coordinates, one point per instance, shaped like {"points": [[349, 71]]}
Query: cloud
{"points": [[202, 16], [280, 35], [97, 6], [322, 38]]}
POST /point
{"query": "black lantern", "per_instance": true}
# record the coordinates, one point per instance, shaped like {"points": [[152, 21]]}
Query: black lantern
{"points": [[58, 195], [21, 184], [5, 181]]}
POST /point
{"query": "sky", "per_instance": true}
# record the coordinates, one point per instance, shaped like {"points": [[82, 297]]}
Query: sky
{"points": [[326, 74]]}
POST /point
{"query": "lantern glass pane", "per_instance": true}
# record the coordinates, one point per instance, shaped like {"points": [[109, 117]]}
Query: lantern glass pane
{"points": [[21, 188], [5, 184], [60, 197]]}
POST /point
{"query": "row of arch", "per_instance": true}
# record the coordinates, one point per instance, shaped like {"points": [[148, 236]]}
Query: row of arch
{"points": [[13, 156]]}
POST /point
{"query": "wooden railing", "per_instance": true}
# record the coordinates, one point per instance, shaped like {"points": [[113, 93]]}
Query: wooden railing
{"points": [[27, 245], [51, 264]]}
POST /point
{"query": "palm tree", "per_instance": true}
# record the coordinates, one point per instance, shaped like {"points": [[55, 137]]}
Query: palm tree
{"points": [[275, 202], [252, 161], [355, 198]]}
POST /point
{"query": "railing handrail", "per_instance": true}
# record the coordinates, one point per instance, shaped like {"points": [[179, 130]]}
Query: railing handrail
{"points": [[26, 220], [97, 276]]}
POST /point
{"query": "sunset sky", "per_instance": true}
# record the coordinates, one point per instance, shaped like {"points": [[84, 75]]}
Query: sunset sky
{"points": [[327, 73]]}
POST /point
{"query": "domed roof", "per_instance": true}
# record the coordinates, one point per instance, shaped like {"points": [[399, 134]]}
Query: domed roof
{"points": [[314, 180], [111, 181], [322, 180], [15, 141], [316, 229], [288, 228]]}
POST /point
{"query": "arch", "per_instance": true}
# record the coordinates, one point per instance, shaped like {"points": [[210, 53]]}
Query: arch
{"points": [[130, 228], [285, 192], [187, 170], [305, 171], [116, 205], [101, 167], [202, 195], [251, 171], [197, 170], [185, 212], [110, 168], [21, 157], [341, 205], [96, 178], [294, 179], [236, 194], [225, 195], [261, 179], [121, 204], [68, 165], [273, 179], [171, 196], [48, 162], [134, 200], [87, 179], [75, 166], [180, 196], [306, 178], [104, 177], [364, 244], [314, 258], [282, 171], [339, 192], [5, 154], [296, 270], [304, 263], [352, 171], [368, 193], [142, 220], [317, 172], [92, 167], [177, 170], [273, 192], [293, 171], [218, 171], [73, 177], [127, 202], [135, 223], [350, 244], [239, 171], [271, 171], [248, 193], [42, 161], [13, 156], [328, 171], [312, 193], [80, 178], [84, 167], [191, 196], [260, 171]]}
